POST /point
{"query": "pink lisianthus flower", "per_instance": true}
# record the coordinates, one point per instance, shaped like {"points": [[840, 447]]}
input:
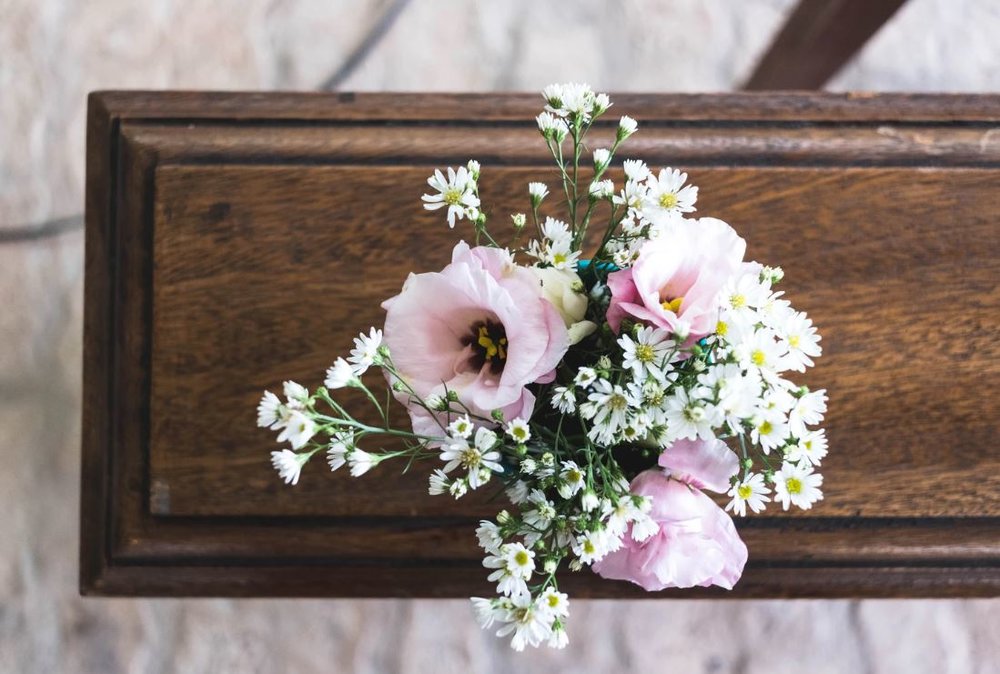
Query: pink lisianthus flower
{"points": [[697, 543], [675, 282], [479, 328]]}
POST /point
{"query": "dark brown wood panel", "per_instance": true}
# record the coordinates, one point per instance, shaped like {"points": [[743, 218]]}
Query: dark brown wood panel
{"points": [[238, 240], [817, 40]]}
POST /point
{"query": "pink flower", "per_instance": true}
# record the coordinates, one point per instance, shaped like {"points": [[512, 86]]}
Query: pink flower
{"points": [[676, 281], [480, 328], [697, 543]]}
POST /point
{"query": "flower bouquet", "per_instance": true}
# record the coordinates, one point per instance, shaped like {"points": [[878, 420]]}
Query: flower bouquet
{"points": [[603, 394]]}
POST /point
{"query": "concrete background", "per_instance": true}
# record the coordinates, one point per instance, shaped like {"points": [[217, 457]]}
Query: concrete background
{"points": [[52, 52]]}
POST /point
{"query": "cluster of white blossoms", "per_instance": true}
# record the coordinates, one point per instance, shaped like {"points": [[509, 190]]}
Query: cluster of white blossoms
{"points": [[600, 394]]}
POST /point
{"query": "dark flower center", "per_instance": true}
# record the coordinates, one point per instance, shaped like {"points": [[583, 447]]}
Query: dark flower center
{"points": [[488, 340]]}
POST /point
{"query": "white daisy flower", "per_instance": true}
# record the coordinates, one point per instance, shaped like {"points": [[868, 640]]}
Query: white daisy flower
{"points": [[336, 454], [537, 192], [556, 231], [299, 429], [462, 427], [797, 485], [688, 417], [668, 195], [585, 376], [456, 451], [289, 465], [749, 492], [554, 603], [296, 395], [601, 158], [438, 483], [339, 375], [589, 501], [633, 195], [648, 353], [459, 488], [610, 406], [636, 170], [560, 255], [517, 493], [644, 527], [626, 127], [810, 449], [770, 430], [571, 479], [530, 625], [270, 412], [361, 461], [552, 127], [457, 192], [558, 639], [489, 537], [488, 611], [518, 430], [602, 189], [513, 563], [365, 351], [802, 342], [759, 350], [564, 399], [591, 546], [808, 410]]}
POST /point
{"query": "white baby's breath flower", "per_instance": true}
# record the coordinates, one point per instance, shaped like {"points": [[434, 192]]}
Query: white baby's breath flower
{"points": [[589, 500], [517, 493], [299, 430], [487, 611], [518, 430], [365, 351], [361, 461], [340, 374], [462, 427], [797, 485], [750, 491], [269, 412], [457, 192], [289, 465]]}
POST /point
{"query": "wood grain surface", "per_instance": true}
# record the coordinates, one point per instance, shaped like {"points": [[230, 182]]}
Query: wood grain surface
{"points": [[236, 240]]}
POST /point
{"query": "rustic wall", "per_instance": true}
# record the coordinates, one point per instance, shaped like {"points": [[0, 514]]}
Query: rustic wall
{"points": [[53, 51]]}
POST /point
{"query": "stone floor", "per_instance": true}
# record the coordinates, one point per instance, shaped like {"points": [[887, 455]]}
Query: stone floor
{"points": [[53, 51]]}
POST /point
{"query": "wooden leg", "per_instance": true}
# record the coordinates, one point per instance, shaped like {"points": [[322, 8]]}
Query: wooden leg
{"points": [[819, 37]]}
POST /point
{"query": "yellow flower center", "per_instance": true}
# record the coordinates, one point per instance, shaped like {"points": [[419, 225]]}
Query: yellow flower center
{"points": [[793, 485], [793, 341], [519, 433], [736, 301], [559, 258], [521, 558], [758, 358], [588, 547], [765, 428], [668, 200], [644, 353], [617, 402], [453, 197], [553, 601], [673, 305], [745, 491], [573, 476], [721, 328]]}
